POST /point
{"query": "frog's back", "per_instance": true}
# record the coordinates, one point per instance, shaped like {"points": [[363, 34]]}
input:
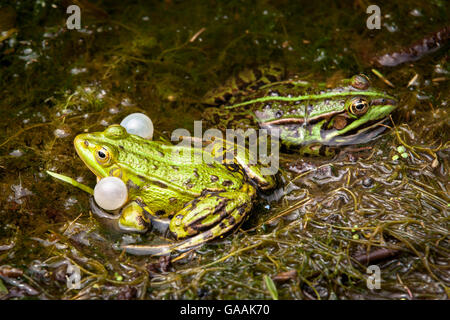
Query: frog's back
{"points": [[244, 83], [176, 167]]}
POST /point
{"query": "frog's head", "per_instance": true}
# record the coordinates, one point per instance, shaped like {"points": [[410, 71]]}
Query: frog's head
{"points": [[350, 113], [100, 150]]}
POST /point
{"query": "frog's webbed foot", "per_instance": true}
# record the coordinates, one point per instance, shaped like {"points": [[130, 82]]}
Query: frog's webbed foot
{"points": [[202, 220]]}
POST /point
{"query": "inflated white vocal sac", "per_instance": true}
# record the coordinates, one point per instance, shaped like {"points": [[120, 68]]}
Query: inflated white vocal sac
{"points": [[138, 124], [110, 193]]}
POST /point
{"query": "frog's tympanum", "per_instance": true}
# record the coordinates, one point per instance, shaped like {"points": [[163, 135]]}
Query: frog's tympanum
{"points": [[199, 200], [311, 118]]}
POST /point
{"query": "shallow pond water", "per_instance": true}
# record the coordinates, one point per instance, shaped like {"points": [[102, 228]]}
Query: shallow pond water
{"points": [[335, 216]]}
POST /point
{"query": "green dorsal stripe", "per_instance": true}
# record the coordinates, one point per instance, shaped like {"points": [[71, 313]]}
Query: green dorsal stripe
{"points": [[310, 97]]}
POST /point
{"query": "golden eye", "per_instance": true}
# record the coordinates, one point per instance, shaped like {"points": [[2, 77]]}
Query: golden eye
{"points": [[358, 106], [102, 155]]}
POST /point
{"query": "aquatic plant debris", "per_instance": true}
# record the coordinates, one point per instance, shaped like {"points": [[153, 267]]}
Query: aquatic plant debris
{"points": [[271, 287], [71, 181]]}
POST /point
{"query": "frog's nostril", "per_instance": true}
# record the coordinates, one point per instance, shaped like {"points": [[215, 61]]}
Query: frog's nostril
{"points": [[80, 142]]}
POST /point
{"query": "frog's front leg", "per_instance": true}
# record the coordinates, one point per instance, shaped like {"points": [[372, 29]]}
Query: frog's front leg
{"points": [[138, 217], [203, 219], [134, 218]]}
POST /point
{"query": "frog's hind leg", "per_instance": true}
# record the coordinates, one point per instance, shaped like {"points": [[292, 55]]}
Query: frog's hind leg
{"points": [[204, 219]]}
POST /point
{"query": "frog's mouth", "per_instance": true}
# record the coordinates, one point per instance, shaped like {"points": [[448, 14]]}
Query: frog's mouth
{"points": [[361, 135]]}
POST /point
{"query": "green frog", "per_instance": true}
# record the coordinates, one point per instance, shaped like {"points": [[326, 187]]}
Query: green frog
{"points": [[197, 194], [312, 118]]}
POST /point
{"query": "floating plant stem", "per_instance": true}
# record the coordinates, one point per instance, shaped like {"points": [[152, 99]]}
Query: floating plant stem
{"points": [[71, 181], [381, 76]]}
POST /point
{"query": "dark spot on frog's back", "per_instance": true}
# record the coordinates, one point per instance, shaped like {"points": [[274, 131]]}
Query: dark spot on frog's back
{"points": [[257, 73], [160, 212], [260, 83], [227, 183], [207, 235], [140, 203], [278, 114], [132, 185], [214, 178], [232, 167], [271, 78], [189, 184], [159, 184], [241, 84], [231, 220], [172, 200]]}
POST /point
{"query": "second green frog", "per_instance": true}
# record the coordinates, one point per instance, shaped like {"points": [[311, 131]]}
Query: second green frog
{"points": [[310, 118]]}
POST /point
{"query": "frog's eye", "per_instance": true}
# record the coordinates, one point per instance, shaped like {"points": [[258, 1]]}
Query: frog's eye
{"points": [[358, 106], [102, 155], [360, 81]]}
